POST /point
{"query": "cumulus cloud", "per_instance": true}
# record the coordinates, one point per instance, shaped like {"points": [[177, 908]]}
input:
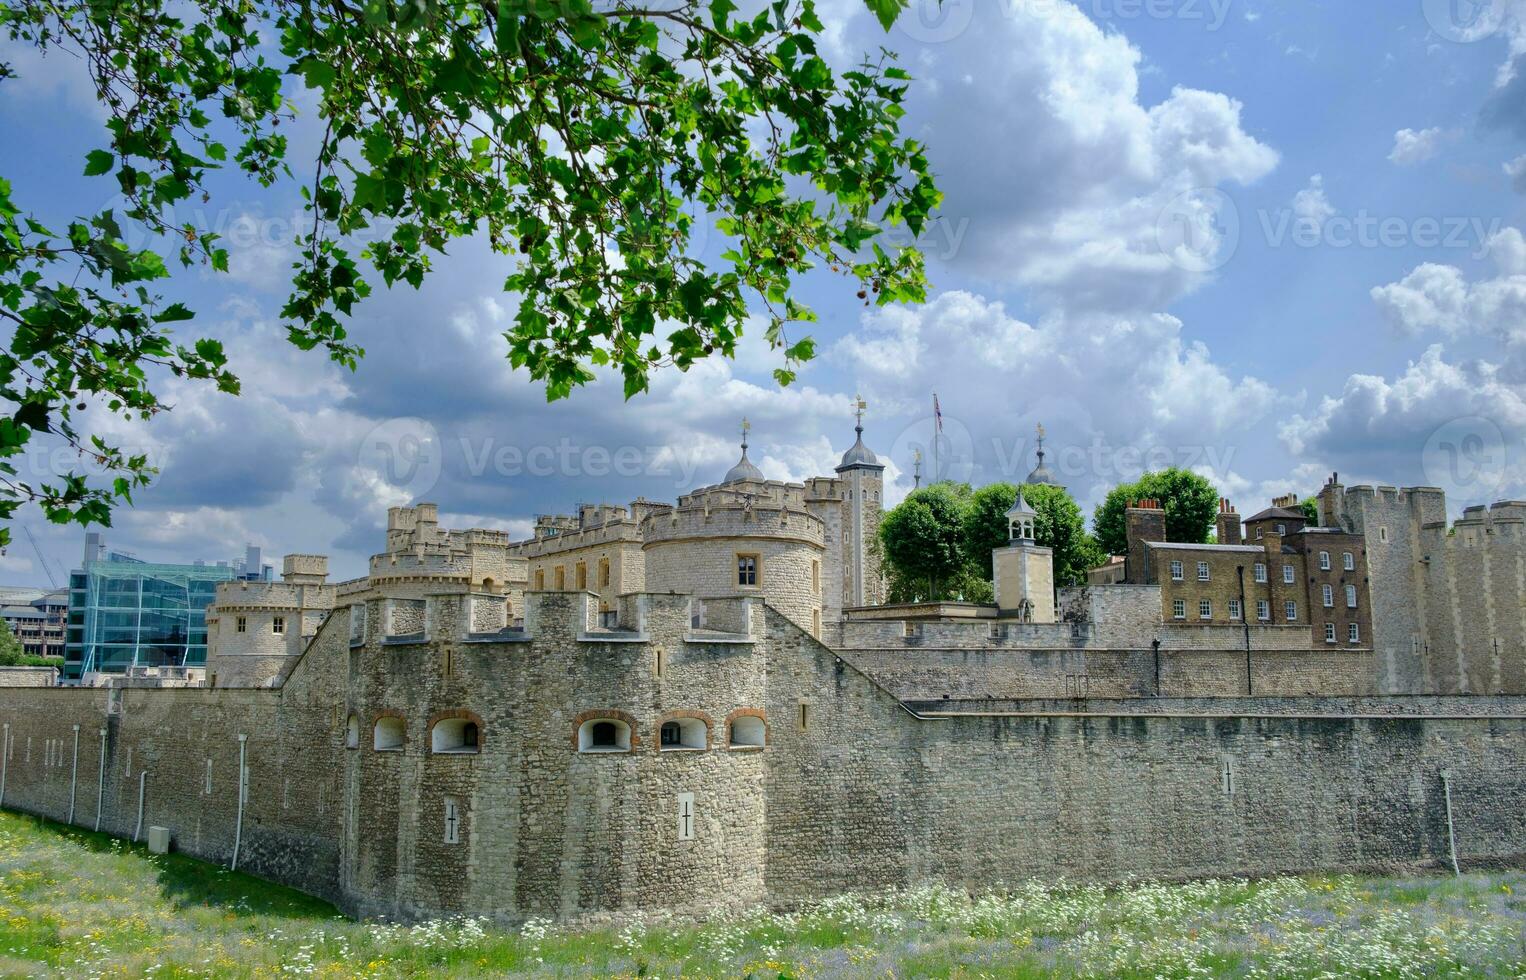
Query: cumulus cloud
{"points": [[1058, 171], [1412, 146], [1439, 298], [1310, 205]]}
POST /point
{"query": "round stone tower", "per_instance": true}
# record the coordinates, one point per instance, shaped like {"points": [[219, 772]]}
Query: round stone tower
{"points": [[747, 536]]}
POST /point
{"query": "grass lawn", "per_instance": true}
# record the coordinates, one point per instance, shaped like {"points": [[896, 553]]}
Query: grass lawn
{"points": [[77, 904]]}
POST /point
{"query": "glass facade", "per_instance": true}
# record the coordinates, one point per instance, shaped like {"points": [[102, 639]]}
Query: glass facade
{"points": [[125, 613]]}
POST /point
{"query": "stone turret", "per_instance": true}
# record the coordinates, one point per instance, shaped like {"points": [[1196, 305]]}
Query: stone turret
{"points": [[1024, 570]]}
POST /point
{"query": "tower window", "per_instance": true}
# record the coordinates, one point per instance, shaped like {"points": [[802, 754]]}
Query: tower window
{"points": [[678, 734], [603, 572], [278, 624], [604, 735], [582, 576], [242, 625], [747, 569]]}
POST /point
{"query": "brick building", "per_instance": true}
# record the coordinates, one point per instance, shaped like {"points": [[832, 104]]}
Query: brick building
{"points": [[1275, 570]]}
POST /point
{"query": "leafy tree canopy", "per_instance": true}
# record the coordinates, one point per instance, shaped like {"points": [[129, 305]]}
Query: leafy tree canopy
{"points": [[1190, 503], [921, 541], [11, 651], [584, 141], [1059, 525]]}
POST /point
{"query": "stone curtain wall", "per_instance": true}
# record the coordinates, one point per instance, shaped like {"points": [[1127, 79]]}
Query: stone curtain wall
{"points": [[852, 792], [869, 797], [994, 672]]}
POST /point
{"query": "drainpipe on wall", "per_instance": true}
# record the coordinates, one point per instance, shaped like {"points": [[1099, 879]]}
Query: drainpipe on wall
{"points": [[5, 756], [242, 790], [1446, 789], [100, 786], [1245, 624], [73, 776], [1155, 643], [142, 785]]}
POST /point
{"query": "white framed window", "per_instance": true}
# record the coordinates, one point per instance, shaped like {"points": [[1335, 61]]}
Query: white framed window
{"points": [[1202, 571], [1353, 633], [1259, 531], [278, 625], [1282, 529], [748, 732], [1348, 562], [1176, 571], [1329, 632], [1324, 561], [389, 735], [604, 735], [1260, 571], [455, 736], [1205, 609], [1287, 574], [1263, 610], [677, 734], [1350, 597], [1290, 611], [1178, 608], [1234, 609], [1327, 593]]}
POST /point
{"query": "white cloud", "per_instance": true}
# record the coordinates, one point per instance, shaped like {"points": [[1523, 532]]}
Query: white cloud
{"points": [[1436, 297], [1411, 146], [1516, 171], [1310, 206]]}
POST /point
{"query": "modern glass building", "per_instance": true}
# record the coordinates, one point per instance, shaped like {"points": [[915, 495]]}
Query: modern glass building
{"points": [[127, 613]]}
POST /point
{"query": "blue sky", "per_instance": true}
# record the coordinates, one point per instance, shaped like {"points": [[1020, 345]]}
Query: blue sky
{"points": [[1265, 241]]}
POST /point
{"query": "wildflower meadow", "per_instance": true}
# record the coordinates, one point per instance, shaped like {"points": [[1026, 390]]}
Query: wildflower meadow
{"points": [[76, 904]]}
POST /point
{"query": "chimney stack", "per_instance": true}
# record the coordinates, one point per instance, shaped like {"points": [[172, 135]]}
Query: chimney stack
{"points": [[1143, 521], [1227, 524]]}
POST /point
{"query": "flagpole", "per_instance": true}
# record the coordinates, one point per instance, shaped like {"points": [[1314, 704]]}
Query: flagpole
{"points": [[937, 428]]}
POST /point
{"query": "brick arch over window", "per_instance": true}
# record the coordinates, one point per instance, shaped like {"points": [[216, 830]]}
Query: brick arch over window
{"points": [[757, 713], [455, 742], [687, 715], [613, 714], [377, 737]]}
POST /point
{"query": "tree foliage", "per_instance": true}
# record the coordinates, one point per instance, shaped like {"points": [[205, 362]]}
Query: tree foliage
{"points": [[587, 144], [921, 540], [1190, 503], [1058, 525], [12, 653], [922, 564]]}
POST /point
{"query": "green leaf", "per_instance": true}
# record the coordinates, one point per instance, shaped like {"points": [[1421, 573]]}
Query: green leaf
{"points": [[98, 162], [887, 10]]}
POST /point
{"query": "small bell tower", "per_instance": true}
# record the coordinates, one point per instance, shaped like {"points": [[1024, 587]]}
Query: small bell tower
{"points": [[1024, 570]]}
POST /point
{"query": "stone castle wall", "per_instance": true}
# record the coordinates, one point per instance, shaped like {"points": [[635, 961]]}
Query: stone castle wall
{"points": [[1447, 608], [852, 791]]}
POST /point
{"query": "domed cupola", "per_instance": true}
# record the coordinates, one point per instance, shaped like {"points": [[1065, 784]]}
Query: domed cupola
{"points": [[1040, 473], [859, 454], [743, 470]]}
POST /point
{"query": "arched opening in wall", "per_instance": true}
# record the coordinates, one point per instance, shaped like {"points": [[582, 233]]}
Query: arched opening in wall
{"points": [[488, 585], [456, 736], [352, 732], [604, 735], [683, 734], [390, 734], [748, 732]]}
